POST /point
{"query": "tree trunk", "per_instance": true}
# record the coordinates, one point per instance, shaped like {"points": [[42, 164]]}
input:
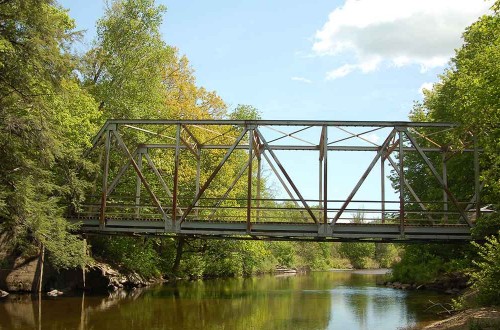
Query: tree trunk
{"points": [[178, 255]]}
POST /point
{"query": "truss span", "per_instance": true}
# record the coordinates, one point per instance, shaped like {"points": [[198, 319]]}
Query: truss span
{"points": [[279, 180]]}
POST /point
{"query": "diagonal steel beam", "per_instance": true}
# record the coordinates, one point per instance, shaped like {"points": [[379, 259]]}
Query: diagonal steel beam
{"points": [[139, 173], [473, 200], [212, 176], [409, 187], [160, 178], [117, 178], [231, 187], [437, 176], [189, 147], [273, 155], [364, 176], [256, 145], [275, 171], [195, 139], [353, 135], [138, 187], [285, 134]]}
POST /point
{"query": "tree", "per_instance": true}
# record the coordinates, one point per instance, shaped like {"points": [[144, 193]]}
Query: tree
{"points": [[125, 69], [468, 93], [44, 120]]}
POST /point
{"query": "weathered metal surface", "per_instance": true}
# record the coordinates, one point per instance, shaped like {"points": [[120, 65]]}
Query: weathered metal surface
{"points": [[278, 230], [248, 215]]}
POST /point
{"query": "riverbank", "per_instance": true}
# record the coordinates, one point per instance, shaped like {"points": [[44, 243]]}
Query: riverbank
{"points": [[451, 283], [485, 318], [31, 276]]}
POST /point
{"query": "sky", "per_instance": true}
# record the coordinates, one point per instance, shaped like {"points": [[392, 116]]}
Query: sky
{"points": [[325, 60], [319, 60]]}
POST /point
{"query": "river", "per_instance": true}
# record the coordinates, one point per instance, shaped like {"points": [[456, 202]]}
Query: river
{"points": [[319, 300]]}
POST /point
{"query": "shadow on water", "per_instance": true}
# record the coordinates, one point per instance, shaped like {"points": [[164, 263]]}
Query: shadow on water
{"points": [[323, 300]]}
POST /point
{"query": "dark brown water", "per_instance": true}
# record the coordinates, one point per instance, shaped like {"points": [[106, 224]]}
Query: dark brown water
{"points": [[321, 300]]}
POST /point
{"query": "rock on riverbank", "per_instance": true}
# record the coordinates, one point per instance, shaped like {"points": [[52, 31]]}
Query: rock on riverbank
{"points": [[24, 276]]}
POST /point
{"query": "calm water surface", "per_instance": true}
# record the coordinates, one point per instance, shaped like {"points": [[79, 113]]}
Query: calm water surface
{"points": [[321, 300]]}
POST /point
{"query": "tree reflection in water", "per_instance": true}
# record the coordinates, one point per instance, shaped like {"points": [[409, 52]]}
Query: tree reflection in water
{"points": [[327, 300]]}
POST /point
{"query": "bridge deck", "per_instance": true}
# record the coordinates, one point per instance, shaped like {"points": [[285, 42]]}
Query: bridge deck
{"points": [[279, 230]]}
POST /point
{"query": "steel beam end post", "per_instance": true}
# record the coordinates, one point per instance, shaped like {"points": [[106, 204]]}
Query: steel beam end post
{"points": [[325, 230]]}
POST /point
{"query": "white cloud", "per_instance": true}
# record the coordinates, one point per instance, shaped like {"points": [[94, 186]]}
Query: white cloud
{"points": [[372, 137], [395, 32], [302, 79], [425, 85], [340, 72], [369, 65]]}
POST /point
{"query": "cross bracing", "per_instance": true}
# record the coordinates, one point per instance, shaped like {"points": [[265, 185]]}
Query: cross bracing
{"points": [[211, 178]]}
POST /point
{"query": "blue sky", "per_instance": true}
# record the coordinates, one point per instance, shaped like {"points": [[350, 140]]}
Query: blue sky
{"points": [[265, 53], [322, 60]]}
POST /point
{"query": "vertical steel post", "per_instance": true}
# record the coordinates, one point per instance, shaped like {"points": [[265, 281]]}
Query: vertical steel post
{"points": [[259, 176], [249, 184], [176, 173], [320, 186], [382, 187], [320, 173], [477, 187], [138, 186], [104, 195], [401, 185], [445, 181], [198, 174], [325, 175]]}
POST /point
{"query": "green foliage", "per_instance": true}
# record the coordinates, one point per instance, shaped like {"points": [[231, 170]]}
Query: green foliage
{"points": [[359, 254], [422, 263], [284, 253], [486, 279], [245, 112], [386, 254], [486, 225], [132, 254], [46, 121], [417, 265], [126, 68], [192, 266]]}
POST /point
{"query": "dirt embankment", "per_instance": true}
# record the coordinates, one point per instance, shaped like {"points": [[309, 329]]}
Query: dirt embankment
{"points": [[486, 318]]}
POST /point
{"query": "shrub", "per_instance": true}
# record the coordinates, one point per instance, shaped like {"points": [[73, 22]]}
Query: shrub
{"points": [[486, 279]]}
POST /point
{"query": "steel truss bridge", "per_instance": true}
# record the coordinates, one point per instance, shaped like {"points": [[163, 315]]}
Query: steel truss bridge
{"points": [[211, 178]]}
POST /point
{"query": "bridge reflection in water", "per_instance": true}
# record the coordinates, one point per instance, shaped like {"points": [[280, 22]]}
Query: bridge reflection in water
{"points": [[205, 178]]}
